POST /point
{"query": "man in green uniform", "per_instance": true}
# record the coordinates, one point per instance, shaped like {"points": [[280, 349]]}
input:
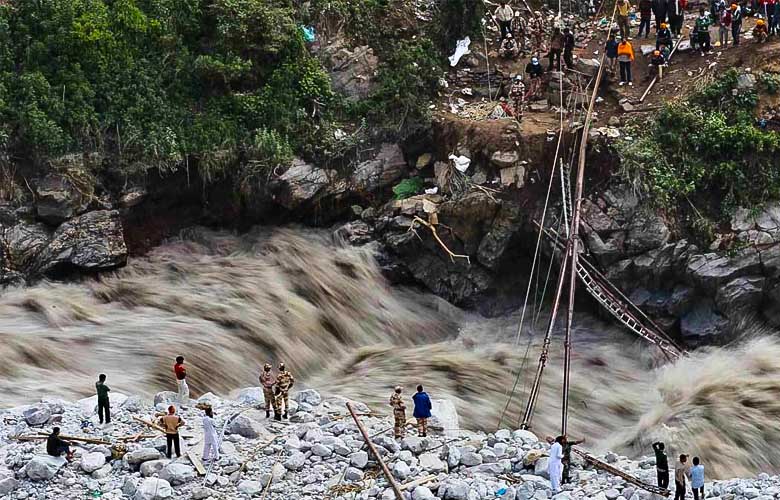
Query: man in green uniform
{"points": [[104, 407]]}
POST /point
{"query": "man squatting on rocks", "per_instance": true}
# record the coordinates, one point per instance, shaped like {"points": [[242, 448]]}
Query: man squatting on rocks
{"points": [[55, 446]]}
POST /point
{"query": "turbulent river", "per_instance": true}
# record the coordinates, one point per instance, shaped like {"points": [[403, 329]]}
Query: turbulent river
{"points": [[230, 303]]}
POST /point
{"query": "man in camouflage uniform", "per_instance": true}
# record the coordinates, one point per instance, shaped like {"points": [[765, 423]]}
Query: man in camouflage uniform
{"points": [[268, 381], [536, 30], [276, 398], [285, 381], [517, 94], [399, 413]]}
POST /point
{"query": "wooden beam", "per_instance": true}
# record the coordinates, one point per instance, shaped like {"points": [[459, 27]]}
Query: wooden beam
{"points": [[196, 462], [382, 464], [417, 482], [149, 424], [71, 438]]}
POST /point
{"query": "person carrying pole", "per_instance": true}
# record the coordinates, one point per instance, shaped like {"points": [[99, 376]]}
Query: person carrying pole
{"points": [[104, 406], [268, 381]]}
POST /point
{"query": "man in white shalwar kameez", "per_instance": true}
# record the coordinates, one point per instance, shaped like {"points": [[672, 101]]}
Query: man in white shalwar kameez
{"points": [[555, 465], [210, 439]]}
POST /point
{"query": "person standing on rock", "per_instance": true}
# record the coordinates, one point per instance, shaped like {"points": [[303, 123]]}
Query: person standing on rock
{"points": [[399, 413], [268, 381], [504, 15], [697, 479], [566, 460], [556, 46], [171, 423], [645, 15], [623, 10], [285, 381], [681, 471], [569, 41], [180, 371], [55, 446], [661, 465], [517, 94], [555, 464], [736, 23], [422, 410], [104, 407], [625, 58], [210, 440]]}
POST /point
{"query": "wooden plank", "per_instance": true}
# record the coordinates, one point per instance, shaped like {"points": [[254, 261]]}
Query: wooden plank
{"points": [[75, 438], [196, 461], [149, 424], [382, 464], [417, 482]]}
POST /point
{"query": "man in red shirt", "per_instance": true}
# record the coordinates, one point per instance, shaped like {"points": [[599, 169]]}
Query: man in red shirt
{"points": [[181, 381]]}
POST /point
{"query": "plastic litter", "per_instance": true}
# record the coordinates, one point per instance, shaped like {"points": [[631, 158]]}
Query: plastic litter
{"points": [[461, 162], [461, 49], [309, 34]]}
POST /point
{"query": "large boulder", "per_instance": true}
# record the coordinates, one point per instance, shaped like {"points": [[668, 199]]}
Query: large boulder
{"points": [[646, 231], [43, 467], [7, 485], [299, 184], [142, 455], [37, 415], [444, 417], [92, 462], [711, 270], [741, 295], [165, 397], [251, 396], [93, 241], [308, 396], [57, 199], [702, 324], [177, 473], [352, 70], [250, 488], [153, 467], [453, 489], [387, 167], [153, 488], [504, 227]]}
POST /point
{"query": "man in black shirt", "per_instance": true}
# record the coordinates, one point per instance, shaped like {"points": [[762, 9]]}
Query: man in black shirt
{"points": [[661, 465], [55, 446]]}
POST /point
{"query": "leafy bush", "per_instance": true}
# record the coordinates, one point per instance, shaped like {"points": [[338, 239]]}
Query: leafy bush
{"points": [[408, 188], [706, 147]]}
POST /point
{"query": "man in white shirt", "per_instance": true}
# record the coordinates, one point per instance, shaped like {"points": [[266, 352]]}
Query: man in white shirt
{"points": [[555, 465], [504, 15]]}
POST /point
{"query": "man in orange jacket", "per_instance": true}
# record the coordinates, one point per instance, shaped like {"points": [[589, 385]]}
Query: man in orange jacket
{"points": [[625, 58]]}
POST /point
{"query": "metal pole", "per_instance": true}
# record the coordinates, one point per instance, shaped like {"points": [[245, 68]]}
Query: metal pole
{"points": [[385, 470]]}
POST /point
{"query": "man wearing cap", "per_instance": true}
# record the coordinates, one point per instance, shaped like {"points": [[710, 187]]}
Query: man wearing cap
{"points": [[284, 381], [658, 60], [534, 71], [268, 381], [399, 413], [736, 23], [519, 29], [508, 49], [663, 37]]}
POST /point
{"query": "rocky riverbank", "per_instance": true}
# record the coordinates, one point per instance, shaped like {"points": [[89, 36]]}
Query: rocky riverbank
{"points": [[318, 454]]}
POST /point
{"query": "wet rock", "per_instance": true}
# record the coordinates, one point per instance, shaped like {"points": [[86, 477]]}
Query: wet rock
{"points": [[505, 226], [93, 241], [712, 270], [741, 295], [301, 183], [355, 233], [57, 199], [702, 324]]}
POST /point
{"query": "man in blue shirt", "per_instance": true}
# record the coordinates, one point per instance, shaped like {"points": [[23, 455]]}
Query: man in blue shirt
{"points": [[422, 410], [697, 479]]}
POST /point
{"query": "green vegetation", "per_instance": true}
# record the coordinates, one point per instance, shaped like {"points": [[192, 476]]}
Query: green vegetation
{"points": [[706, 150], [227, 86], [408, 188]]}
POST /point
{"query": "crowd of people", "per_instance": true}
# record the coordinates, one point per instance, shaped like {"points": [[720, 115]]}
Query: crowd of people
{"points": [[684, 473], [524, 32]]}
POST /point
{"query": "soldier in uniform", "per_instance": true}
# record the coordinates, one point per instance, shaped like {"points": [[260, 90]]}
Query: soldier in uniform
{"points": [[519, 28], [284, 382], [517, 94], [276, 399], [536, 29], [268, 381], [399, 413]]}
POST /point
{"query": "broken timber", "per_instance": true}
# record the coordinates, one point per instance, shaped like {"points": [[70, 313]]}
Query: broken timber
{"points": [[619, 473], [196, 462], [382, 464], [149, 424], [42, 436]]}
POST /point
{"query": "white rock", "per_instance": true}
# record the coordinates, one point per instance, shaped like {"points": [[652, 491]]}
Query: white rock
{"points": [[7, 485], [422, 493], [432, 463], [321, 450], [295, 461], [251, 396], [43, 467], [152, 467], [250, 488], [353, 474], [92, 462], [153, 488], [454, 489], [309, 397], [413, 444], [359, 459], [525, 436], [470, 459], [142, 455], [401, 471], [201, 493], [177, 473]]}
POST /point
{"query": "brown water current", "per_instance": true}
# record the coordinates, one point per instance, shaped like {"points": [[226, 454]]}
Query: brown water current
{"points": [[230, 303]]}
